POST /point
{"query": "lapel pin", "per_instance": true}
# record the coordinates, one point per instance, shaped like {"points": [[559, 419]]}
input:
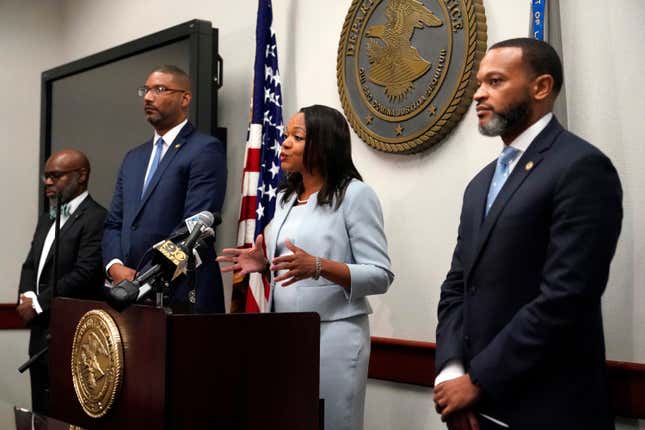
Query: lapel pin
{"points": [[177, 146], [528, 166]]}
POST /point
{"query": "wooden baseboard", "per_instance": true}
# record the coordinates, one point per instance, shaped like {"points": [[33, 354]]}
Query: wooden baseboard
{"points": [[413, 362], [398, 360], [9, 319]]}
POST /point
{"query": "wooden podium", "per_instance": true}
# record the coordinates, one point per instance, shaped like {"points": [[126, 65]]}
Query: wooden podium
{"points": [[215, 371]]}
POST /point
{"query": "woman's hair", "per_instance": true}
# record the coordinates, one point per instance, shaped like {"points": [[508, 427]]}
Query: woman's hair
{"points": [[328, 149]]}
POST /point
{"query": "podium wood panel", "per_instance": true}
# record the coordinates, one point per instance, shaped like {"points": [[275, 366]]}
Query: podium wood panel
{"points": [[251, 371], [142, 397], [216, 371]]}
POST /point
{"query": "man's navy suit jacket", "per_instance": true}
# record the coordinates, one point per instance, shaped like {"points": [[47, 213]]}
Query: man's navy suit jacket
{"points": [[191, 178], [521, 304]]}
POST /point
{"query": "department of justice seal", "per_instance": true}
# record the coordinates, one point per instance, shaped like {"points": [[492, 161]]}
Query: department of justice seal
{"points": [[406, 69], [97, 362]]}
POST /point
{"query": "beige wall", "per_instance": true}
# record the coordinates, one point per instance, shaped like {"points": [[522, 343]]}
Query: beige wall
{"points": [[29, 43], [29, 35], [421, 194], [606, 100]]}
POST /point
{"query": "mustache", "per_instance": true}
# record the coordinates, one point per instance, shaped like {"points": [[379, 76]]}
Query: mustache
{"points": [[505, 115], [480, 106]]}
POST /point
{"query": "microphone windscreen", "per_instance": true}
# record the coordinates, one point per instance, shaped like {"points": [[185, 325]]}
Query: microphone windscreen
{"points": [[206, 218], [217, 219], [123, 294]]}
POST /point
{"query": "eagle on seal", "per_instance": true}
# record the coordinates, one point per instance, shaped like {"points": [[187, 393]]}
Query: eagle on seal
{"points": [[395, 63]]}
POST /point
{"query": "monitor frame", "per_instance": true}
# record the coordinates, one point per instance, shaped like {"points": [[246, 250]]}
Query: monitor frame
{"points": [[205, 70]]}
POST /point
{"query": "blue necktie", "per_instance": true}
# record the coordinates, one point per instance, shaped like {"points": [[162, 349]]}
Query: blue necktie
{"points": [[501, 174], [155, 164]]}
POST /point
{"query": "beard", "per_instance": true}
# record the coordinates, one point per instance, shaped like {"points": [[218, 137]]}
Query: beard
{"points": [[154, 117], [66, 194], [514, 118]]}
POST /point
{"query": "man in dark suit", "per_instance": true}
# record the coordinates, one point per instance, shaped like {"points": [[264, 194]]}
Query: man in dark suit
{"points": [[178, 173], [520, 336], [80, 272]]}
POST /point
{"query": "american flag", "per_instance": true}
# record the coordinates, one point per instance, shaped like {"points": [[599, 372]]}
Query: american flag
{"points": [[261, 174]]}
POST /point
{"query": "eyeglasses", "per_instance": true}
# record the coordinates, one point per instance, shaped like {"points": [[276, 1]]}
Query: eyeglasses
{"points": [[157, 90], [55, 175]]}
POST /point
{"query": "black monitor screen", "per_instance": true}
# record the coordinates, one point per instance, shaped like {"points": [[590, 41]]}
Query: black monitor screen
{"points": [[98, 112]]}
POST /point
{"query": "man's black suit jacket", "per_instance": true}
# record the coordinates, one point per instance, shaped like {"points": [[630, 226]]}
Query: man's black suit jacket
{"points": [[80, 267], [521, 304]]}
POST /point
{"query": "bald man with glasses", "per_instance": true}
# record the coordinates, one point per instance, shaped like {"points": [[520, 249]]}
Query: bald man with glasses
{"points": [[80, 272]]}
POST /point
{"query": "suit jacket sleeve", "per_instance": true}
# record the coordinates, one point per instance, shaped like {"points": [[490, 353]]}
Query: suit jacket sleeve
{"points": [[88, 265], [207, 180], [370, 272], [111, 244], [449, 334], [586, 218]]}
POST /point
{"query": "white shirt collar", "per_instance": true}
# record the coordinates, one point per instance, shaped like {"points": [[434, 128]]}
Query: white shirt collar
{"points": [[523, 141], [76, 201], [171, 134]]}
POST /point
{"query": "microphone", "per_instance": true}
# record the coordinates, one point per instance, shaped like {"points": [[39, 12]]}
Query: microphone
{"points": [[196, 224], [127, 292], [170, 261], [182, 232]]}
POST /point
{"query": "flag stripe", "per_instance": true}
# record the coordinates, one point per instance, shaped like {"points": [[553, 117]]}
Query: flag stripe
{"points": [[249, 206], [253, 160], [250, 183]]}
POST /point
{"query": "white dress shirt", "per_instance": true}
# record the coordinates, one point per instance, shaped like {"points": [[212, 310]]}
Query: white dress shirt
{"points": [[523, 141], [49, 240]]}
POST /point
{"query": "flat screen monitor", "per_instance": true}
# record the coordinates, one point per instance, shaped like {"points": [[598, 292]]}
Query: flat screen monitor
{"points": [[92, 104]]}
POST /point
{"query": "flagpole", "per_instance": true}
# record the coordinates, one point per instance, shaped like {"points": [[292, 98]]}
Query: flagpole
{"points": [[545, 24]]}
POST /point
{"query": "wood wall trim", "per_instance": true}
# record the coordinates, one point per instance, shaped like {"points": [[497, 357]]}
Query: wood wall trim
{"points": [[9, 319], [627, 388], [413, 362], [398, 360]]}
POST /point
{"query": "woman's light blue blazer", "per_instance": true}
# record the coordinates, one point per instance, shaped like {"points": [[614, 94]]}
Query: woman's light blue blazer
{"points": [[352, 234]]}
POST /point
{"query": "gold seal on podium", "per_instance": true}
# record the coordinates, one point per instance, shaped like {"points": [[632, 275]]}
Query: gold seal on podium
{"points": [[97, 362]]}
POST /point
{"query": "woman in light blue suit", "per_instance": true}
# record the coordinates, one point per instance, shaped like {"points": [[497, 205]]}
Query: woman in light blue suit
{"points": [[327, 252]]}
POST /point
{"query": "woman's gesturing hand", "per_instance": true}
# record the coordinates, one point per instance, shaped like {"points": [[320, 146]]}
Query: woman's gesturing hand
{"points": [[299, 265], [246, 260]]}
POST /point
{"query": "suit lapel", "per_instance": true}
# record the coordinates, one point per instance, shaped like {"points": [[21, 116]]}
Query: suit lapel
{"points": [[526, 165], [141, 165], [78, 213], [277, 223], [39, 240], [480, 191], [179, 142]]}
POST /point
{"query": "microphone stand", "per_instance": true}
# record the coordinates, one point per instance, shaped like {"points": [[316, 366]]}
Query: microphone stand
{"points": [[59, 198], [27, 364], [190, 274]]}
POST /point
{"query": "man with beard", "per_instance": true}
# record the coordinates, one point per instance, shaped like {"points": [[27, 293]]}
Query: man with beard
{"points": [[80, 272], [520, 337], [176, 174]]}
